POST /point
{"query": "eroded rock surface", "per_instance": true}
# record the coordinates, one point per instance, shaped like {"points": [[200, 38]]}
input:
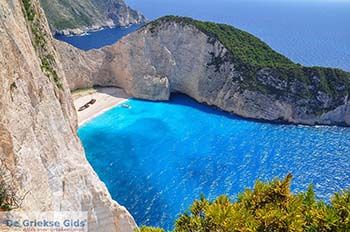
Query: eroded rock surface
{"points": [[38, 141]]}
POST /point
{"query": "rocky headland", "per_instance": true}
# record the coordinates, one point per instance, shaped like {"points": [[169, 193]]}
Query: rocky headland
{"points": [[215, 64], [72, 17]]}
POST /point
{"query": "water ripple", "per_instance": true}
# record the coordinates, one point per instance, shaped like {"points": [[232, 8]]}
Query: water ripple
{"points": [[156, 158]]}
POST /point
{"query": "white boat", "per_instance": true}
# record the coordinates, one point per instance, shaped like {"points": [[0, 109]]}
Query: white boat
{"points": [[126, 106]]}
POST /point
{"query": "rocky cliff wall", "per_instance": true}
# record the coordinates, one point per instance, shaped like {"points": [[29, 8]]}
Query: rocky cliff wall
{"points": [[38, 142], [81, 67], [169, 56]]}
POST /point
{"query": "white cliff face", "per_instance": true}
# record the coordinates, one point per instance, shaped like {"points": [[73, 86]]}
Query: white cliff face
{"points": [[145, 65], [152, 65], [170, 57], [80, 66], [38, 141]]}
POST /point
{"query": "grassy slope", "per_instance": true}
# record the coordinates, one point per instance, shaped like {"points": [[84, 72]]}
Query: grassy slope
{"points": [[250, 55], [40, 41], [79, 13], [71, 14]]}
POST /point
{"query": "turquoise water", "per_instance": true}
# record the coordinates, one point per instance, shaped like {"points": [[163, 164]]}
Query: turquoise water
{"points": [[156, 158]]}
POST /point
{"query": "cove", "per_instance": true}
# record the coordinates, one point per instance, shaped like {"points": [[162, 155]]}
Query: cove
{"points": [[157, 157]]}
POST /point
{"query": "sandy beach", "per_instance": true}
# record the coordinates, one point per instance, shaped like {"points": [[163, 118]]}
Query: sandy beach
{"points": [[106, 98]]}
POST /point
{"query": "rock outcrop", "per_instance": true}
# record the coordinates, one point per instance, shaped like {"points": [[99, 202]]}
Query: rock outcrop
{"points": [[176, 54], [81, 67], [79, 16], [38, 142]]}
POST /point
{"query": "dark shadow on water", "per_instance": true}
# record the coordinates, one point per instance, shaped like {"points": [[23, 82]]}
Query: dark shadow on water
{"points": [[187, 101]]}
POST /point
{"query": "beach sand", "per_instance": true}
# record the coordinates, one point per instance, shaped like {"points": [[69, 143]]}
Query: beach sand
{"points": [[106, 98]]}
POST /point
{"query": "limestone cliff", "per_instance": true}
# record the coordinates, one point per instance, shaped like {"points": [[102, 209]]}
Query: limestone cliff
{"points": [[78, 16], [221, 66], [81, 67], [38, 142]]}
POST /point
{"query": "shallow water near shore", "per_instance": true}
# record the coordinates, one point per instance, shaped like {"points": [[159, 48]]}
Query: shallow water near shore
{"points": [[156, 158]]}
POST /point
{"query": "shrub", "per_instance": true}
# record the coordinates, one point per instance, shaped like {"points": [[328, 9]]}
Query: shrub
{"points": [[8, 197], [268, 207], [149, 229], [39, 41]]}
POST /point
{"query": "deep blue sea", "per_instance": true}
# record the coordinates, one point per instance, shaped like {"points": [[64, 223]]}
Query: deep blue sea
{"points": [[98, 39], [310, 32], [156, 158]]}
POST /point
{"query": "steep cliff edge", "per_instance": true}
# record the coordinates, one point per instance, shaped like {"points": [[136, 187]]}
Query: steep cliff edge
{"points": [[82, 69], [38, 142], [78, 16], [221, 66]]}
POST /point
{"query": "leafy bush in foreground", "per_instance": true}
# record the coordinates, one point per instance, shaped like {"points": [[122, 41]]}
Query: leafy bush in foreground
{"points": [[267, 207], [149, 229], [4, 201], [8, 198]]}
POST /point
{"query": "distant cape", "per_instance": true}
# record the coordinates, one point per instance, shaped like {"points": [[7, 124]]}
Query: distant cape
{"points": [[79, 16]]}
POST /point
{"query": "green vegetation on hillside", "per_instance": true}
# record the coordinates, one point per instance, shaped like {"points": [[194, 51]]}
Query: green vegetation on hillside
{"points": [[251, 55], [246, 48], [267, 207], [5, 203], [149, 229], [39, 41], [73, 14], [63, 14]]}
